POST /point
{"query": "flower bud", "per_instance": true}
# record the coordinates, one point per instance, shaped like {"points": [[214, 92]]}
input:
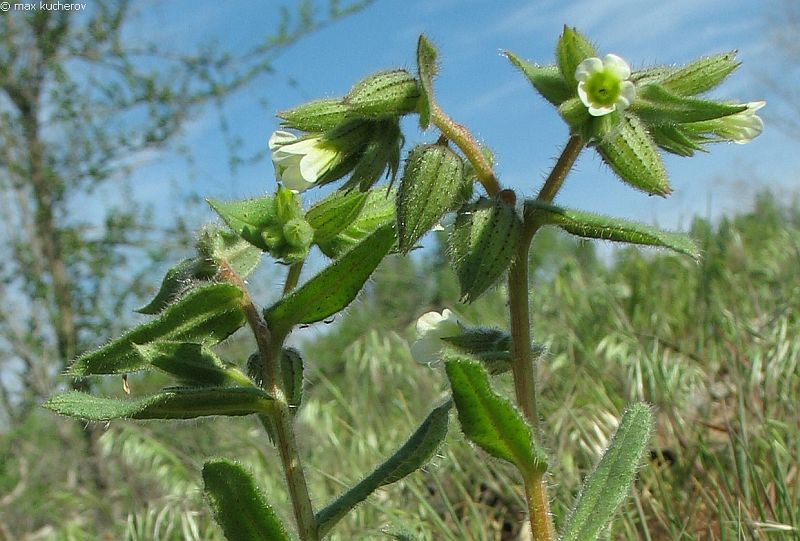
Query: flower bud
{"points": [[484, 241], [298, 233], [385, 94]]}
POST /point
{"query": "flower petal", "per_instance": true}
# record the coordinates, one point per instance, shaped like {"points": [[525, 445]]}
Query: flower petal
{"points": [[627, 93], [280, 138], [601, 111], [428, 322], [587, 68], [617, 66]]}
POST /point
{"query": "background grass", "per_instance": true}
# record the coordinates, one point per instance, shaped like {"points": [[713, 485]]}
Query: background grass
{"points": [[712, 345]]}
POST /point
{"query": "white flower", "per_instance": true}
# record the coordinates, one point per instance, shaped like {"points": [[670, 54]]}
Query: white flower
{"points": [[299, 163], [743, 127], [431, 328], [603, 85]]}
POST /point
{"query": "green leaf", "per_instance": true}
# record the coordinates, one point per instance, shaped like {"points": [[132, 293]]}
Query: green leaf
{"points": [[632, 155], [219, 246], [490, 421], [414, 454], [171, 403], [238, 506], [657, 106], [427, 70], [546, 80], [191, 363], [607, 486], [247, 218], [432, 185], [335, 287], [207, 315], [594, 226], [176, 282], [701, 75], [378, 211], [292, 375], [571, 50], [676, 140]]}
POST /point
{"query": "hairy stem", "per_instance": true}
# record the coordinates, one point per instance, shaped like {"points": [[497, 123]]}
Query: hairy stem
{"points": [[523, 367], [269, 348], [459, 135]]}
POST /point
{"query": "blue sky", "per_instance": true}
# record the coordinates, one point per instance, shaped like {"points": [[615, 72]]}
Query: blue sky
{"points": [[478, 88]]}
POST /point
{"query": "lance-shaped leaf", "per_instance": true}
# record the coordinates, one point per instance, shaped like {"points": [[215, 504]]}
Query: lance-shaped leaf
{"points": [[247, 218], [571, 50], [546, 80], [632, 155], [191, 363], [238, 506], [414, 454], [655, 105], [427, 70], [378, 211], [432, 185], [171, 403], [176, 282], [221, 247], [207, 315], [335, 287], [490, 421], [334, 213], [701, 75], [607, 486], [594, 226]]}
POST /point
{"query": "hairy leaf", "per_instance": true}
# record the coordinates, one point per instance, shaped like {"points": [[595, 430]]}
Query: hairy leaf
{"points": [[546, 80], [378, 210], [426, 69], [207, 315], [655, 105], [247, 218], [490, 421], [571, 50], [171, 403], [414, 454], [333, 289], [191, 363], [333, 214], [607, 486], [238, 506], [585, 224]]}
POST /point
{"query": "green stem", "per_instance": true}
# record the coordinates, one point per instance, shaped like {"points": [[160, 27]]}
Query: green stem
{"points": [[459, 135], [293, 277], [523, 367], [542, 528], [269, 348]]}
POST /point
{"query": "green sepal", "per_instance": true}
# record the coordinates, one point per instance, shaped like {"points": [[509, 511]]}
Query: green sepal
{"points": [[292, 376], [287, 204], [677, 140], [315, 116], [378, 211], [385, 94], [333, 289], [571, 50], [483, 243], [348, 139], [492, 347], [176, 282], [632, 155], [490, 421], [608, 485], [218, 246], [238, 505], [432, 185], [655, 105], [701, 75], [381, 153], [585, 224], [171, 403], [191, 364], [577, 116], [413, 454], [333, 214], [426, 70], [247, 218], [207, 315], [547, 80]]}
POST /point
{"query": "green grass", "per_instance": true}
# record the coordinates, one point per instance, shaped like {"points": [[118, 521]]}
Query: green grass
{"points": [[712, 345]]}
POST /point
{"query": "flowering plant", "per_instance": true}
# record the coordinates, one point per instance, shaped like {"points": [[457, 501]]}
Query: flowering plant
{"points": [[627, 117]]}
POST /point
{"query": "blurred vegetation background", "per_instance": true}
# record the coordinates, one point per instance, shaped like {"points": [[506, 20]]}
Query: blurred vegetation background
{"points": [[713, 346]]}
